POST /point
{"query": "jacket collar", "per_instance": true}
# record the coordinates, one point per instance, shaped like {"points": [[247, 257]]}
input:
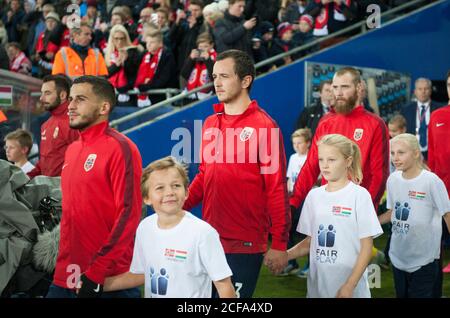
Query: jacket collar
{"points": [[93, 132], [60, 110], [220, 108]]}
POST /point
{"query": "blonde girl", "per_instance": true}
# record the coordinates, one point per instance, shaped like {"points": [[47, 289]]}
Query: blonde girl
{"points": [[416, 200], [339, 221]]}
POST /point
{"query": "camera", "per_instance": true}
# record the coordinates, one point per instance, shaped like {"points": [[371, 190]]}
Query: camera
{"points": [[200, 58], [256, 17]]}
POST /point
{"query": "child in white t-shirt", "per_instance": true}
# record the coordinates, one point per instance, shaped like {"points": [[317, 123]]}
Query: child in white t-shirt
{"points": [[416, 200], [340, 222], [18, 146], [176, 254], [301, 140]]}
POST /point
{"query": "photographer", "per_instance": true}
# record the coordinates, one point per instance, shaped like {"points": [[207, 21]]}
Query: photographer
{"points": [[233, 31], [197, 69]]}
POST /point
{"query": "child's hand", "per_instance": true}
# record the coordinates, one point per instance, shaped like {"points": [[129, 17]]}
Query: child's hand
{"points": [[346, 291]]}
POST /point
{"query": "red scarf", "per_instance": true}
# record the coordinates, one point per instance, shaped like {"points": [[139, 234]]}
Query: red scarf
{"points": [[119, 79], [20, 61], [321, 22], [147, 69], [199, 75]]}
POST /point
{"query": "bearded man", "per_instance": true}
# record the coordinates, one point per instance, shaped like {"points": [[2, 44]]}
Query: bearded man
{"points": [[56, 135], [367, 130]]}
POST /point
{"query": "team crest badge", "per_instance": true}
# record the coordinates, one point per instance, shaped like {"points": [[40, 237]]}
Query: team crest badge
{"points": [[55, 132], [357, 135], [89, 164], [246, 133]]}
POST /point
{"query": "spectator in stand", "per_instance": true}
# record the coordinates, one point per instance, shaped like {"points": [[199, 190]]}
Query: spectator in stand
{"points": [[264, 10], [331, 16], [12, 18], [283, 43], [79, 59], [294, 10], [197, 70], [122, 60], [35, 21], [262, 43], [157, 69], [18, 61], [212, 13], [3, 34], [92, 17], [184, 32], [232, 31], [162, 23], [47, 46], [304, 33], [145, 17], [101, 35]]}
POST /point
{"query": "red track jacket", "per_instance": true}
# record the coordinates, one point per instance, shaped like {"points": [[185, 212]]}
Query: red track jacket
{"points": [[243, 189], [101, 205], [369, 132], [56, 136], [438, 144]]}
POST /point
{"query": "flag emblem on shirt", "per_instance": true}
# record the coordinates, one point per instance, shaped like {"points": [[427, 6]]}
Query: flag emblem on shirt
{"points": [[176, 255], [89, 163], [342, 211], [417, 195], [55, 132], [246, 133], [357, 135]]}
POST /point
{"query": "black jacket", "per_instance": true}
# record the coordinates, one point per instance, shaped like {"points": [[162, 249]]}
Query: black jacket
{"points": [[409, 111], [184, 39], [310, 117], [229, 33], [165, 76]]}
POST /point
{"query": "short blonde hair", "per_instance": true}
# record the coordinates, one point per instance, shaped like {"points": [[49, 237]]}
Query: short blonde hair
{"points": [[303, 132], [348, 148], [23, 137], [398, 120], [163, 164]]}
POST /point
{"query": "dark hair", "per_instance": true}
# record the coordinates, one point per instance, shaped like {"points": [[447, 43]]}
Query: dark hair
{"points": [[101, 86], [62, 82], [231, 2], [323, 83], [243, 64], [448, 74], [197, 3]]}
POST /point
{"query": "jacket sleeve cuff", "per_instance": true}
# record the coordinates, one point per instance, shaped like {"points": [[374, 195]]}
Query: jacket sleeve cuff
{"points": [[278, 245], [97, 274], [294, 202]]}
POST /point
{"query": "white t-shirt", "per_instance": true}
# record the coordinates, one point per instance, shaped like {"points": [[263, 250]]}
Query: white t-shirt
{"points": [[27, 167], [296, 163], [336, 221], [417, 206], [180, 262]]}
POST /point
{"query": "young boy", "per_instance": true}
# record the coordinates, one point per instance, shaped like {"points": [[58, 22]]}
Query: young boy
{"points": [[176, 254], [197, 70], [397, 125], [18, 146], [301, 140]]}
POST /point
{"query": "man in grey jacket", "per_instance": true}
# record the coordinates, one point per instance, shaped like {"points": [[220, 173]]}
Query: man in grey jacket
{"points": [[232, 31]]}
